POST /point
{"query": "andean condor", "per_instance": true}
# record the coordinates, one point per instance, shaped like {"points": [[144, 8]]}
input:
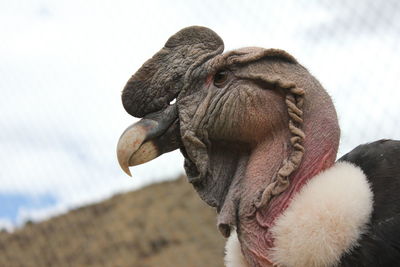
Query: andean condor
{"points": [[260, 136]]}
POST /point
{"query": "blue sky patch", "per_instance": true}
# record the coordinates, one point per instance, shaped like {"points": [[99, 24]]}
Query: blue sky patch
{"points": [[11, 203]]}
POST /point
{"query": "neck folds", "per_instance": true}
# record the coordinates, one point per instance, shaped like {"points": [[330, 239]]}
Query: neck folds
{"points": [[253, 223]]}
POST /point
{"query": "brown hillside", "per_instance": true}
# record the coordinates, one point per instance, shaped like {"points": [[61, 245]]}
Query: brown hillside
{"points": [[164, 224]]}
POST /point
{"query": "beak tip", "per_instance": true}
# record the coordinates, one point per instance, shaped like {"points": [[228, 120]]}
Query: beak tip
{"points": [[129, 174], [125, 168], [123, 164]]}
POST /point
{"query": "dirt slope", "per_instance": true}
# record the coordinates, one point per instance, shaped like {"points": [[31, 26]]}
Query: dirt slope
{"points": [[164, 224]]}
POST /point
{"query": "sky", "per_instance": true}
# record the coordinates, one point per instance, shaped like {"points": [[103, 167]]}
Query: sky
{"points": [[63, 65]]}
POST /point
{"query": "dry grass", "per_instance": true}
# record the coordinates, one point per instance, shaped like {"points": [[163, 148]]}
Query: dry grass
{"points": [[162, 225]]}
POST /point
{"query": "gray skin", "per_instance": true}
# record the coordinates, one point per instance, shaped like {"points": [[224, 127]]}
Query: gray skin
{"points": [[230, 121]]}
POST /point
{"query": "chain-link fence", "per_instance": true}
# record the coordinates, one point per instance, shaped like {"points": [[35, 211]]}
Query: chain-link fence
{"points": [[63, 65]]}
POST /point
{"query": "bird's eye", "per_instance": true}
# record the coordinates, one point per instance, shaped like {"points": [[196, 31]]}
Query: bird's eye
{"points": [[220, 78]]}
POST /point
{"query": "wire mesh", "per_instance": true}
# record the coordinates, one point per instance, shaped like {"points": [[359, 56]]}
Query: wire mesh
{"points": [[63, 65]]}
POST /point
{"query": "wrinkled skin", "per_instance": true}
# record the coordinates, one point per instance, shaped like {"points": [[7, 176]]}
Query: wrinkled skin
{"points": [[230, 121]]}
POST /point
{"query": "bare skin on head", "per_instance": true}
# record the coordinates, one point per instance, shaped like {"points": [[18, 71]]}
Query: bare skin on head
{"points": [[235, 126]]}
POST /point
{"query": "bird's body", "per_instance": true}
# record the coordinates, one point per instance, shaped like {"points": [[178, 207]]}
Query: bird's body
{"points": [[348, 215], [260, 135], [380, 244]]}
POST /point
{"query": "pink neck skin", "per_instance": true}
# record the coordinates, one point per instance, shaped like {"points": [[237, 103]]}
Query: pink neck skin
{"points": [[254, 226]]}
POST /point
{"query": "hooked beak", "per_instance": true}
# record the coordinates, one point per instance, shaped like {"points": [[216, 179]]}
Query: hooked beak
{"points": [[155, 134]]}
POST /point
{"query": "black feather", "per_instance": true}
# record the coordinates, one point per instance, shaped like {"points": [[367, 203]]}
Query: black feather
{"points": [[380, 244]]}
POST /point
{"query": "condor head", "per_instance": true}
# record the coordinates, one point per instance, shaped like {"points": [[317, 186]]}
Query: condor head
{"points": [[252, 124]]}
